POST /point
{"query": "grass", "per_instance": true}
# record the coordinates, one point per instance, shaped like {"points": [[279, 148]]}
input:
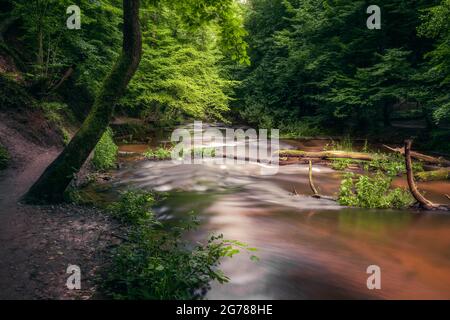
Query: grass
{"points": [[158, 154], [156, 262], [166, 154]]}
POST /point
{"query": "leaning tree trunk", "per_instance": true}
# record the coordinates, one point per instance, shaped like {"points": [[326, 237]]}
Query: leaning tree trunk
{"points": [[51, 185]]}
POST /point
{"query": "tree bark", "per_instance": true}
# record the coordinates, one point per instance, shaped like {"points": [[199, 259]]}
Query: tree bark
{"points": [[435, 175], [51, 185], [424, 203]]}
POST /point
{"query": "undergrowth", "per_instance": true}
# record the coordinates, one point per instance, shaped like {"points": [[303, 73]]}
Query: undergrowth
{"points": [[156, 262]]}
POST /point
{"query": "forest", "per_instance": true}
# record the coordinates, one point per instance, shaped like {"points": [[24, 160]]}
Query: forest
{"points": [[92, 91]]}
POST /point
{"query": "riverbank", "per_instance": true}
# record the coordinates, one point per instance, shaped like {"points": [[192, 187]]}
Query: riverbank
{"points": [[38, 243]]}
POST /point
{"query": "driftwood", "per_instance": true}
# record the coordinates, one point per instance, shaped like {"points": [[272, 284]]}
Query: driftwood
{"points": [[313, 187], [441, 174], [326, 155], [422, 157], [423, 202]]}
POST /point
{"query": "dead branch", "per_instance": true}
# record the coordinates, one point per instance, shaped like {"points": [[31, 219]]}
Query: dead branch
{"points": [[422, 157], [424, 203]]}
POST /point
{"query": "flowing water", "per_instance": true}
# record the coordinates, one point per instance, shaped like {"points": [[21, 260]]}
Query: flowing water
{"points": [[308, 248]]}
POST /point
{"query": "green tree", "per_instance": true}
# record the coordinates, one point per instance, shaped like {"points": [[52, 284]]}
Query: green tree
{"points": [[435, 95], [180, 75]]}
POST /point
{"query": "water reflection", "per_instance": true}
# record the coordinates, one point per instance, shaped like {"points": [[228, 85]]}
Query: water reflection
{"points": [[308, 248]]}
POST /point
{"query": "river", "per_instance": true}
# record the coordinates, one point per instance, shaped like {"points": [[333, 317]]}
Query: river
{"points": [[308, 248]]}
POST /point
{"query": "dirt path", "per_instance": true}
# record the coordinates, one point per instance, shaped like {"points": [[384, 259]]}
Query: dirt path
{"points": [[37, 244]]}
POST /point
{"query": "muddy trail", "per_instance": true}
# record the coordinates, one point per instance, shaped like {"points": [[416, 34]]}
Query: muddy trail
{"points": [[38, 243]]}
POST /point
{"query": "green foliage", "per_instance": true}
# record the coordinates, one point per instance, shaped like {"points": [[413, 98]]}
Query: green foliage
{"points": [[52, 47], [134, 208], [341, 164], [105, 153], [344, 144], [4, 157], [316, 59], [372, 192], [180, 76], [155, 263], [435, 96], [12, 95]]}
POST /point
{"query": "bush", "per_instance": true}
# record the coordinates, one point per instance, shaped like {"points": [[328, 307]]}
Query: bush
{"points": [[372, 192], [155, 263], [391, 165], [105, 153], [134, 207], [4, 157]]}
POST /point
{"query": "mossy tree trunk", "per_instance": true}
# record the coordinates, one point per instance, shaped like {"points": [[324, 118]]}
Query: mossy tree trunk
{"points": [[53, 182]]}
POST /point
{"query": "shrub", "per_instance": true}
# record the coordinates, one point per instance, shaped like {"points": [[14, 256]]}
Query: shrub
{"points": [[4, 157], [134, 207], [372, 192], [156, 263], [105, 153]]}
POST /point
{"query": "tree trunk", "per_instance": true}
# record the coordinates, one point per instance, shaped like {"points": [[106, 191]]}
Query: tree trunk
{"points": [[51, 185], [326, 154]]}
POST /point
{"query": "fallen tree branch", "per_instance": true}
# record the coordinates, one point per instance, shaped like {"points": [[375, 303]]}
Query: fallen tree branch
{"points": [[435, 175], [422, 157], [424, 203], [313, 187], [326, 155]]}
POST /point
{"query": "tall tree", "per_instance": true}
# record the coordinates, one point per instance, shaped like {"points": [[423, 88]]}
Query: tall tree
{"points": [[51, 185]]}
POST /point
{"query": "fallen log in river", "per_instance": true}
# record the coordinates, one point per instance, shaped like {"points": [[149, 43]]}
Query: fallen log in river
{"points": [[326, 155]]}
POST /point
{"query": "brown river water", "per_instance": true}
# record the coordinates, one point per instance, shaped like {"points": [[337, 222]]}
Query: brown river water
{"points": [[308, 248]]}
